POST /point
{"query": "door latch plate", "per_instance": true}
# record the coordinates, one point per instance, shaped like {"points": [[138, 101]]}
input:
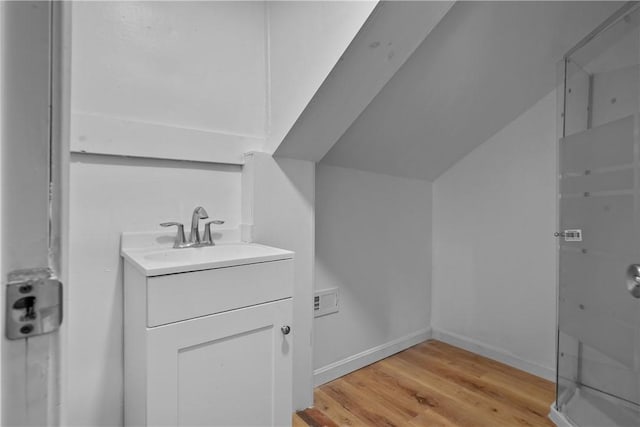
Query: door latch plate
{"points": [[33, 303], [572, 235]]}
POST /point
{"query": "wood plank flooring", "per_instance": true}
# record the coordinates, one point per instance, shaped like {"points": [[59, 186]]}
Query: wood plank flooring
{"points": [[432, 384]]}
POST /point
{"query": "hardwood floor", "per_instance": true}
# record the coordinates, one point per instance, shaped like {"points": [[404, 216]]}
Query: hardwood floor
{"points": [[432, 384]]}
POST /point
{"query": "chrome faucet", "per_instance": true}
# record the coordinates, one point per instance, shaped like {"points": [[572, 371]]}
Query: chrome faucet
{"points": [[198, 214], [194, 239]]}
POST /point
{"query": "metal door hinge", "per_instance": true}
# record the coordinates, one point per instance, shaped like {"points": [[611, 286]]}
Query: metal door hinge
{"points": [[33, 303]]}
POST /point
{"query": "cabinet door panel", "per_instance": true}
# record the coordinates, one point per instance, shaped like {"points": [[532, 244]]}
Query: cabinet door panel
{"points": [[228, 369]]}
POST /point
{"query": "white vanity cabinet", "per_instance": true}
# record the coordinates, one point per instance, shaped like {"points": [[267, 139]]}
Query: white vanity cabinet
{"points": [[210, 347]]}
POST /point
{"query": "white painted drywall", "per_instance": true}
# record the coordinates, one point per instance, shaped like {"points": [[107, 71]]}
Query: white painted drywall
{"points": [[169, 79], [494, 214], [185, 81], [108, 196], [306, 39], [390, 35], [201, 80], [278, 197], [373, 242]]}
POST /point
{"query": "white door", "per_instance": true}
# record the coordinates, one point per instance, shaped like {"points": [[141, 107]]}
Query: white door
{"points": [[227, 369], [33, 175]]}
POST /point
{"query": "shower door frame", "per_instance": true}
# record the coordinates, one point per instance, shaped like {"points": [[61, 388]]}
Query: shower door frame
{"points": [[562, 71]]}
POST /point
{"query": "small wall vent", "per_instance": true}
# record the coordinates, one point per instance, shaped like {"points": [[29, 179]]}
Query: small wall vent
{"points": [[325, 302]]}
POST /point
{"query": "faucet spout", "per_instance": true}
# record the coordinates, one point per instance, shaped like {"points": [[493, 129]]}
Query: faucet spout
{"points": [[198, 214]]}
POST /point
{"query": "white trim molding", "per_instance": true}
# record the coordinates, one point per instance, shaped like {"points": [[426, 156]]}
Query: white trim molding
{"points": [[99, 134], [558, 418], [352, 363], [494, 353]]}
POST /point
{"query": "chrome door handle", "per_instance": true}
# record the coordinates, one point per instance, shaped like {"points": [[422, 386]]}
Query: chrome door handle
{"points": [[633, 280]]}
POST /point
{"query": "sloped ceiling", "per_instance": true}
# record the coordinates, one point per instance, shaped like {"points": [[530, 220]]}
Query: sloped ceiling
{"points": [[482, 66], [386, 40]]}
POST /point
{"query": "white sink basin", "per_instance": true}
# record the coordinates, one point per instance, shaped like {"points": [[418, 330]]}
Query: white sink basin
{"points": [[154, 261]]}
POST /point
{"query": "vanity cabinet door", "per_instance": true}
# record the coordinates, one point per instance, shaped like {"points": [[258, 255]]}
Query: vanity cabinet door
{"points": [[227, 369]]}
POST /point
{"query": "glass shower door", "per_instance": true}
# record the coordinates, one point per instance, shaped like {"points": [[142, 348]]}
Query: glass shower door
{"points": [[599, 236]]}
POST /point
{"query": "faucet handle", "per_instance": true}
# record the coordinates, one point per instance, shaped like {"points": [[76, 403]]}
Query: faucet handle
{"points": [[180, 239], [170, 223], [208, 239]]}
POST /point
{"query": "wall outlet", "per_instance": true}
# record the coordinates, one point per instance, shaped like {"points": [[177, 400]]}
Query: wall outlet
{"points": [[325, 302]]}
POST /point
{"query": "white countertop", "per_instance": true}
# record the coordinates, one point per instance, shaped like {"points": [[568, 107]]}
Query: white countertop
{"points": [[153, 255]]}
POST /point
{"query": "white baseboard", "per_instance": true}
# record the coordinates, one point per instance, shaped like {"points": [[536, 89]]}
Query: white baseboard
{"points": [[494, 353], [558, 419], [352, 363]]}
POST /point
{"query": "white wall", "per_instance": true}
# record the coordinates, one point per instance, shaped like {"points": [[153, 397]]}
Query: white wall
{"points": [[373, 242], [182, 81], [494, 276], [201, 80], [149, 77], [108, 196], [278, 210], [159, 80], [306, 39]]}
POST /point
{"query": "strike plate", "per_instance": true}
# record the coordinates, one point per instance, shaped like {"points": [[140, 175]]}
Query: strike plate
{"points": [[572, 235], [33, 303]]}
